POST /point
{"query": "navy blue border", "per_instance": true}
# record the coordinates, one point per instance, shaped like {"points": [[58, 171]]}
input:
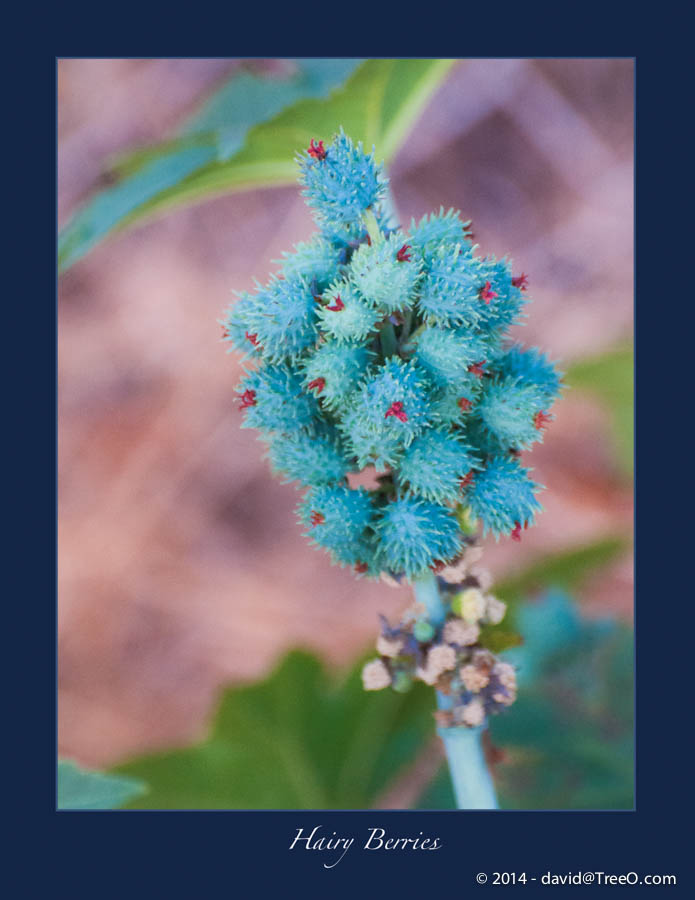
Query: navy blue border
{"points": [[247, 852]]}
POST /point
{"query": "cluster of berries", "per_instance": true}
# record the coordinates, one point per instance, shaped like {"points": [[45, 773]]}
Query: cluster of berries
{"points": [[385, 348]]}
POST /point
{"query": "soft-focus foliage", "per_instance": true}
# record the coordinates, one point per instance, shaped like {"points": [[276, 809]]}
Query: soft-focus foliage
{"points": [[81, 789], [385, 348], [302, 740], [245, 136], [568, 741], [568, 569], [610, 377], [297, 740]]}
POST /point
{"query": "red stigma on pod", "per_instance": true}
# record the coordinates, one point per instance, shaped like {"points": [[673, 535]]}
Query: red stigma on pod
{"points": [[317, 150], [225, 332], [251, 337], [403, 254], [477, 368], [338, 304], [361, 568], [317, 518], [520, 281], [464, 404], [369, 241], [438, 566], [248, 398], [487, 294], [318, 384], [468, 234], [467, 479], [541, 420], [515, 534], [396, 409]]}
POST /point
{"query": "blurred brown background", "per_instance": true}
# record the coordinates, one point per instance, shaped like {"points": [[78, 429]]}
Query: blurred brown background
{"points": [[181, 565]]}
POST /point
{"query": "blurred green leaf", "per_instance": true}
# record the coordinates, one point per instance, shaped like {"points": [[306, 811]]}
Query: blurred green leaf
{"points": [[81, 789], [248, 99], [568, 739], [378, 104], [109, 208], [297, 740], [610, 377], [499, 637], [214, 133], [243, 101], [551, 626], [568, 569]]}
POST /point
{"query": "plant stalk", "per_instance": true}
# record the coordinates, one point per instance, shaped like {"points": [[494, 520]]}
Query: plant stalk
{"points": [[471, 779], [387, 336], [372, 226]]}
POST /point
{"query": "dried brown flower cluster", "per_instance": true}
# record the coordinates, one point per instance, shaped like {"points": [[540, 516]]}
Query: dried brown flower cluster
{"points": [[449, 656]]}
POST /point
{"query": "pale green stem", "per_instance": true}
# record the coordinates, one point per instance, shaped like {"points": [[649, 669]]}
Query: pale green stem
{"points": [[473, 785], [372, 226], [387, 333], [408, 344], [387, 336], [405, 330]]}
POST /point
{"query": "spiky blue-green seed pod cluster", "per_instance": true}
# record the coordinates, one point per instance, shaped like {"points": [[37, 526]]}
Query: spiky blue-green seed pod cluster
{"points": [[342, 187], [377, 347]]}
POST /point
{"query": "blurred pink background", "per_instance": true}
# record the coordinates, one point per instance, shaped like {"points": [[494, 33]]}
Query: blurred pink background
{"points": [[181, 565]]}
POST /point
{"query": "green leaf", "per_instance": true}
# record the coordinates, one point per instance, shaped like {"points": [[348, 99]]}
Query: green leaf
{"points": [[498, 638], [248, 99], [378, 104], [80, 789], [568, 739], [298, 740], [242, 102], [550, 627], [610, 377], [439, 793], [303, 740], [573, 718], [214, 133], [567, 569], [111, 207]]}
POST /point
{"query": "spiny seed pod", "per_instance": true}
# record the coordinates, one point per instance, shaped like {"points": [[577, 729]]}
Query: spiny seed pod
{"points": [[385, 274], [340, 183], [345, 316], [375, 346]]}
